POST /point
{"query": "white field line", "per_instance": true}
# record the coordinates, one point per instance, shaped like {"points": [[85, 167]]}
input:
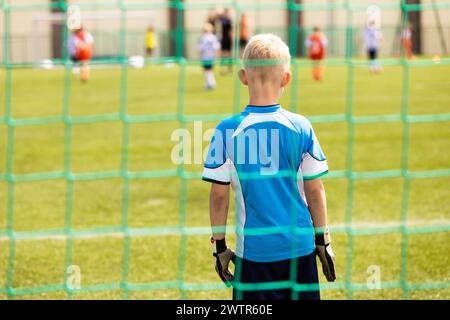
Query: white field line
{"points": [[356, 225]]}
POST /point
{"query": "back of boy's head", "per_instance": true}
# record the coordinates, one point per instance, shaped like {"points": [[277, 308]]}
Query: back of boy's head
{"points": [[266, 57], [208, 27]]}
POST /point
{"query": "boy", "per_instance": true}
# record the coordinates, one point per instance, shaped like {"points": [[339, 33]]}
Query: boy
{"points": [[316, 44], [406, 40], [244, 32], [80, 49], [208, 45], [279, 196], [226, 39], [372, 38], [150, 41]]}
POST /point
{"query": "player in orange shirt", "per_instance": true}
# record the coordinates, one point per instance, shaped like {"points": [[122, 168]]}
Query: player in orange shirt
{"points": [[244, 32], [80, 50], [407, 41], [316, 44]]}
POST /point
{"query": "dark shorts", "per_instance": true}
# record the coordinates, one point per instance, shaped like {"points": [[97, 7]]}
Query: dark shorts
{"points": [[372, 53], [225, 44], [257, 272], [207, 65], [74, 59]]}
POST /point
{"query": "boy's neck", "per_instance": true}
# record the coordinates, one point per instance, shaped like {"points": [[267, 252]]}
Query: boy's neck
{"points": [[262, 98]]}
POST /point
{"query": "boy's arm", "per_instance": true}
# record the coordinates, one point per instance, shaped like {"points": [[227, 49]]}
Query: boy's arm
{"points": [[218, 212], [218, 209], [315, 196]]}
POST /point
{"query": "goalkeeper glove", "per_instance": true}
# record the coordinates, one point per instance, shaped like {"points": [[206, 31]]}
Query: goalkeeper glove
{"points": [[326, 255], [222, 257]]}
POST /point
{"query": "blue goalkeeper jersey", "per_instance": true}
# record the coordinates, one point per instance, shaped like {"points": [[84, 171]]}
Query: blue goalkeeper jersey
{"points": [[266, 153]]}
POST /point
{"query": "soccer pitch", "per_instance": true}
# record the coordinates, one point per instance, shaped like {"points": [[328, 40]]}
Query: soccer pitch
{"points": [[155, 202]]}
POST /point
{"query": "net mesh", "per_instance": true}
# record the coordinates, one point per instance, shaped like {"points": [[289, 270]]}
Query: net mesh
{"points": [[126, 233]]}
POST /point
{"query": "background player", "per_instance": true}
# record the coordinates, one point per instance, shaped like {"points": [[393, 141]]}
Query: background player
{"points": [[264, 198], [150, 41], [372, 39], [406, 40], [244, 32], [208, 46], [316, 44], [226, 41], [80, 47]]}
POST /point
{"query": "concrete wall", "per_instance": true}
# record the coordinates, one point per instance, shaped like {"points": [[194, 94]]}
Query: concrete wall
{"points": [[430, 37]]}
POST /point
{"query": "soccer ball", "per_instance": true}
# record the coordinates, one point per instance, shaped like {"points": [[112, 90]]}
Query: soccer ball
{"points": [[136, 62], [46, 64]]}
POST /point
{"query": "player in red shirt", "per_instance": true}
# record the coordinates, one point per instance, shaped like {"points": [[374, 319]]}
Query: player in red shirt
{"points": [[81, 50], [316, 44], [407, 41]]}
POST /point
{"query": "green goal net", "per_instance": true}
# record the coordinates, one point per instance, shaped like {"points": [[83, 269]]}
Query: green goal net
{"points": [[91, 205]]}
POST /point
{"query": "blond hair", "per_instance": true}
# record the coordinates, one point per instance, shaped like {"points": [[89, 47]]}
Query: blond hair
{"points": [[208, 27], [264, 53]]}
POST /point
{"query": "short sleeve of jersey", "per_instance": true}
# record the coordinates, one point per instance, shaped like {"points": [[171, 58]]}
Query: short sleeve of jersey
{"points": [[314, 163], [217, 168]]}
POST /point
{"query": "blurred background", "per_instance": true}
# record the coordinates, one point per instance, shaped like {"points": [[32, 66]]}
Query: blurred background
{"points": [[36, 34]]}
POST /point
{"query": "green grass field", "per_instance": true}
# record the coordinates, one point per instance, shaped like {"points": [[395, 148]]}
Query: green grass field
{"points": [[96, 147]]}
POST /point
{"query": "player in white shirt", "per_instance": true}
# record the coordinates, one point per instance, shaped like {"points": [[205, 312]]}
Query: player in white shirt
{"points": [[372, 39], [208, 46]]}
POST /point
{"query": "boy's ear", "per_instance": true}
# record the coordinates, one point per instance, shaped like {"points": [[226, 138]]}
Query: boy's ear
{"points": [[286, 79], [243, 77]]}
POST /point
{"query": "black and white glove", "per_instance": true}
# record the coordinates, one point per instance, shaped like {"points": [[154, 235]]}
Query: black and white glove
{"points": [[325, 253], [222, 257]]}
